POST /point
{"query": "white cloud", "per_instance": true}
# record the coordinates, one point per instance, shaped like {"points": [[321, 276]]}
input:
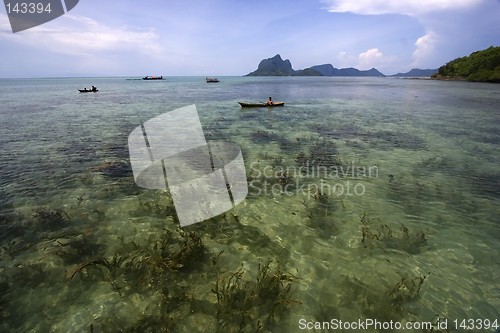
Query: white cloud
{"points": [[370, 57], [78, 35], [425, 47], [407, 7], [451, 26], [374, 58], [343, 60]]}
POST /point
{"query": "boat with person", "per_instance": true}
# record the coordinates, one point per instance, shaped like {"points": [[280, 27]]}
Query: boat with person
{"points": [[212, 80], [152, 77], [85, 90], [256, 105]]}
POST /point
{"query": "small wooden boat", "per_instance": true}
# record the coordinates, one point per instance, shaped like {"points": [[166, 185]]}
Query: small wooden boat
{"points": [[212, 80], [153, 78], [257, 105], [87, 90]]}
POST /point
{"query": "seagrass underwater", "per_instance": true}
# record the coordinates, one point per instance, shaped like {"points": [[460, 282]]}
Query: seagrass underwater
{"points": [[78, 234], [310, 179]]}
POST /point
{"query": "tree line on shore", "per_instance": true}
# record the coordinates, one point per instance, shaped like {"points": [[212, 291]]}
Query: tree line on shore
{"points": [[480, 66]]}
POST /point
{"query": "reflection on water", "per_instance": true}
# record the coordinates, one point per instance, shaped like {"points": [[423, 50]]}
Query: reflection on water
{"points": [[318, 237]]}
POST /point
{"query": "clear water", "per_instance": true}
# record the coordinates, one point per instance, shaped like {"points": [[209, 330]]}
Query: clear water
{"points": [[426, 156]]}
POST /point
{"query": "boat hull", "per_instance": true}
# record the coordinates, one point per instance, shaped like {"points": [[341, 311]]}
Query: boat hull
{"points": [[260, 105], [86, 91], [149, 78]]}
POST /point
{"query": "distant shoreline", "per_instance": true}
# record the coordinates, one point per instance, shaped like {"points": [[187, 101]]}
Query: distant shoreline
{"points": [[450, 78]]}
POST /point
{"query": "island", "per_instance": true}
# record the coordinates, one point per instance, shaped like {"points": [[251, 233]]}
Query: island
{"points": [[416, 72], [329, 70], [479, 66], [276, 66]]}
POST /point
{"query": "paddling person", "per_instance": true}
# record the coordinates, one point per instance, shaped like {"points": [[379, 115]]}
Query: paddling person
{"points": [[94, 88], [270, 101]]}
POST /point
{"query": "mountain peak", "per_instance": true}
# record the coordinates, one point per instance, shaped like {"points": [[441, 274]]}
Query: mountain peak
{"points": [[274, 66]]}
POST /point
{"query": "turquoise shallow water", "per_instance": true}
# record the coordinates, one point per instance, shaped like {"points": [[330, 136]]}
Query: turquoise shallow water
{"points": [[371, 197]]}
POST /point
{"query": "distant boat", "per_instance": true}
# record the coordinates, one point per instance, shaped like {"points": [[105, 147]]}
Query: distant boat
{"points": [[212, 79], [87, 90], [255, 105], [152, 77]]}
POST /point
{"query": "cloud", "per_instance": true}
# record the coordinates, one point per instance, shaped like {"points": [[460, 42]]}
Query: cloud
{"points": [[370, 57], [425, 47], [374, 58], [78, 35], [452, 28], [343, 59], [406, 7]]}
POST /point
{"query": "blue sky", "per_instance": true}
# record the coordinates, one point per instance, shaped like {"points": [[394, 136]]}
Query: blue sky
{"points": [[230, 37]]}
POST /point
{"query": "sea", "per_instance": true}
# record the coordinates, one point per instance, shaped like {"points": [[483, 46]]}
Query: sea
{"points": [[373, 206]]}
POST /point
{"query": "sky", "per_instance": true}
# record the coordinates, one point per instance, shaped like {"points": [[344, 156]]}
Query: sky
{"points": [[231, 37]]}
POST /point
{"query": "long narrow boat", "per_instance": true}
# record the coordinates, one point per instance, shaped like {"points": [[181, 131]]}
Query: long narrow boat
{"points": [[87, 90], [259, 105], [153, 78]]}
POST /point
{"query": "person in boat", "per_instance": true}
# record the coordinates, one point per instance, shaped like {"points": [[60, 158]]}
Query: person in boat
{"points": [[85, 89], [270, 101], [93, 88]]}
